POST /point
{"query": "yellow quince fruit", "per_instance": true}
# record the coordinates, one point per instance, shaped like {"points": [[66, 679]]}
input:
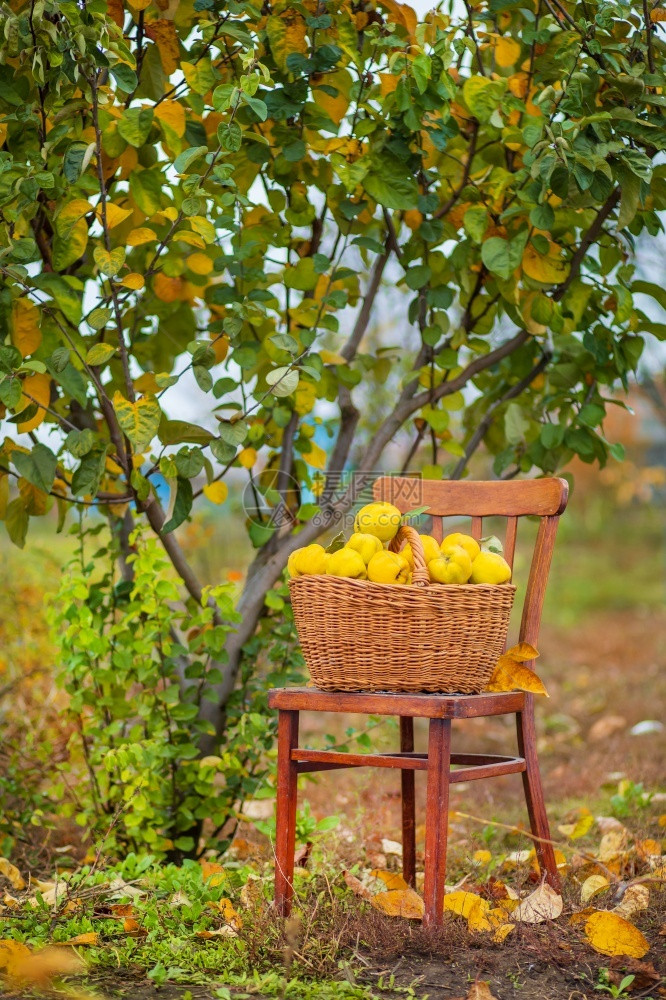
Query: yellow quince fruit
{"points": [[430, 550], [380, 519], [388, 567], [452, 566], [366, 545], [345, 562], [311, 560], [490, 567], [468, 543]]}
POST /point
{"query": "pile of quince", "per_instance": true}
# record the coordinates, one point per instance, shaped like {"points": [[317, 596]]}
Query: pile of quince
{"points": [[459, 558]]}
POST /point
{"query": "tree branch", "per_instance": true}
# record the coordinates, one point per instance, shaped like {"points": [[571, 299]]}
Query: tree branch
{"points": [[590, 237]]}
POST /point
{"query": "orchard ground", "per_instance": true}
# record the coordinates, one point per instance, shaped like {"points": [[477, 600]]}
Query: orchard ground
{"points": [[603, 647]]}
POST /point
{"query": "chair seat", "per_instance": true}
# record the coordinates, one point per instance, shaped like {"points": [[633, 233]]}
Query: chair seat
{"points": [[423, 706]]}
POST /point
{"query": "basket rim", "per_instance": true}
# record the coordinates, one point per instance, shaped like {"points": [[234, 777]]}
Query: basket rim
{"points": [[432, 587]]}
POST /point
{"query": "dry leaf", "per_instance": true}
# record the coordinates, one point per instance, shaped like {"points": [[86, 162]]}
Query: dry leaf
{"points": [[399, 903], [91, 939], [612, 844], [636, 898], [510, 674], [502, 932], [606, 726], [578, 829], [223, 932], [611, 934], [592, 886], [480, 991], [12, 874], [356, 885], [392, 847], [462, 903], [213, 873], [229, 914], [23, 967], [648, 849], [392, 880], [543, 904], [180, 899]]}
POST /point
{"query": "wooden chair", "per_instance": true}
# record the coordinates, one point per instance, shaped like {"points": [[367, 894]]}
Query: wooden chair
{"points": [[545, 498]]}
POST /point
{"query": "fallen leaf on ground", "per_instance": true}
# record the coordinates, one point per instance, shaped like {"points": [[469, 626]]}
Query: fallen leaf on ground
{"points": [[592, 886], [12, 874], [23, 967], [229, 914], [462, 903], [90, 938], [392, 880], [251, 893], [213, 873], [122, 909], [399, 903], [180, 899], [542, 904], [220, 932], [645, 975], [648, 849], [502, 932], [510, 674], [478, 991], [11, 901], [612, 844], [636, 898], [611, 934], [578, 829], [356, 885]]}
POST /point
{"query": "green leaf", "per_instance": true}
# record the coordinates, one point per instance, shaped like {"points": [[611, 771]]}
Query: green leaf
{"points": [[139, 421], [483, 96], [233, 433], [38, 466], [16, 522], [501, 256], [390, 185], [86, 478], [184, 160], [99, 354], [543, 217], [515, 424], [182, 432], [135, 124], [79, 443], [99, 317], [475, 221], [181, 507], [230, 136]]}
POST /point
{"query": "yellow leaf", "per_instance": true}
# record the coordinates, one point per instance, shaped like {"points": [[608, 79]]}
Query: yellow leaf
{"points": [[133, 280], [219, 932], [507, 51], [247, 457], [316, 456], [482, 857], [172, 114], [388, 82], [612, 844], [502, 932], [286, 34], [169, 289], [578, 829], [611, 934], [478, 921], [549, 269], [647, 849], [392, 880], [399, 903], [658, 14], [331, 358], [38, 388], [12, 874], [592, 886], [70, 214], [229, 914], [542, 904], [164, 34], [199, 263], [91, 938], [114, 214], [216, 492], [26, 335], [139, 236], [109, 261], [401, 14], [138, 421], [335, 107], [220, 348], [511, 675], [203, 227], [39, 968], [12, 954], [193, 239], [462, 903]]}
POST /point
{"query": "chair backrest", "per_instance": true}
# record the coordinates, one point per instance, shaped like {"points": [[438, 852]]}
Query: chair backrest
{"points": [[544, 498]]}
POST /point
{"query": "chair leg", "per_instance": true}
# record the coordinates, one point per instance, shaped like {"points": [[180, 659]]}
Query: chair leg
{"points": [[285, 826], [437, 820], [536, 806], [408, 807]]}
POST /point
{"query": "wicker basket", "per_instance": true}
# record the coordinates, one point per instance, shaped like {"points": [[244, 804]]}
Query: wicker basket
{"points": [[363, 636]]}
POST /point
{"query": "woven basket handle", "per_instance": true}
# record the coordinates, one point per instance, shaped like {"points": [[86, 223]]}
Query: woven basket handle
{"points": [[420, 575]]}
